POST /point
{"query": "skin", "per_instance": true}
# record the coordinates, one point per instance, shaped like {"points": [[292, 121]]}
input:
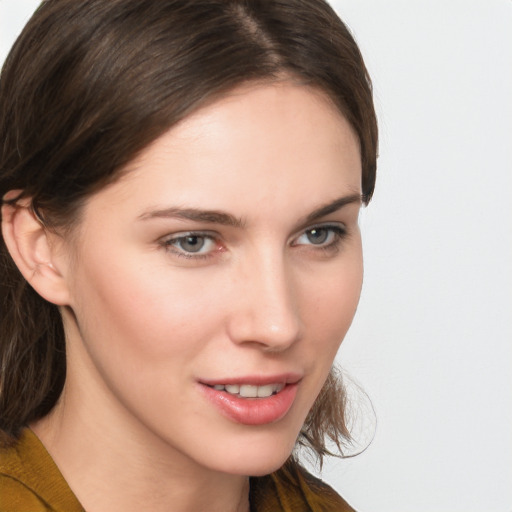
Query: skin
{"points": [[146, 320]]}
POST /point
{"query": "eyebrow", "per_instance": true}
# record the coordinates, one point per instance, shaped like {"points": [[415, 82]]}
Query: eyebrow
{"points": [[226, 219], [195, 214], [334, 206]]}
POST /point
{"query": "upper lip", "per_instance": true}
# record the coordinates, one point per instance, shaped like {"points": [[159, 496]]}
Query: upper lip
{"points": [[255, 380]]}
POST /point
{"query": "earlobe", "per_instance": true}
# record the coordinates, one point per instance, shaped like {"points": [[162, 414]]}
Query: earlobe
{"points": [[32, 247]]}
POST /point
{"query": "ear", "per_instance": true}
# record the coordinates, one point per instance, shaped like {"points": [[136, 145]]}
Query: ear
{"points": [[34, 249]]}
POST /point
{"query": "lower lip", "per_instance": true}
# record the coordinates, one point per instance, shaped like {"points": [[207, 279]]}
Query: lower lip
{"points": [[252, 411]]}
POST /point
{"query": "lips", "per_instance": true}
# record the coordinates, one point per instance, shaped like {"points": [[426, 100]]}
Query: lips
{"points": [[253, 401]]}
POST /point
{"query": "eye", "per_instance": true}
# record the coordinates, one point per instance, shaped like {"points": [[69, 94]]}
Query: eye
{"points": [[321, 236], [191, 245]]}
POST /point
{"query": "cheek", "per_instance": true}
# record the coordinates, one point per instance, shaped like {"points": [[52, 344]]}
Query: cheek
{"points": [[329, 299], [331, 302], [142, 333], [138, 308], [150, 312]]}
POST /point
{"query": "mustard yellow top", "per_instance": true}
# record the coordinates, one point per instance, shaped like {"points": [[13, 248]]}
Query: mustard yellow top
{"points": [[31, 482]]}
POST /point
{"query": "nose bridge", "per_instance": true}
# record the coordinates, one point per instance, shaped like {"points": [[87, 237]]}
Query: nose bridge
{"points": [[268, 311]]}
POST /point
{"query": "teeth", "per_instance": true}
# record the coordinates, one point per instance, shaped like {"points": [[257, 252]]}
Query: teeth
{"points": [[264, 391], [278, 388], [250, 391]]}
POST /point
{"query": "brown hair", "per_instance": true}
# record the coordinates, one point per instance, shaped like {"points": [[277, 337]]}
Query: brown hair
{"points": [[90, 83]]}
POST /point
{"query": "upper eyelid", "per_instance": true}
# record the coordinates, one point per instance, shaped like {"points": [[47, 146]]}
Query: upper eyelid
{"points": [[330, 218], [191, 232], [216, 236], [326, 224]]}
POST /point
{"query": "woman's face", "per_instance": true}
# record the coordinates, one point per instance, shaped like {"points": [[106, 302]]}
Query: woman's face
{"points": [[212, 285]]}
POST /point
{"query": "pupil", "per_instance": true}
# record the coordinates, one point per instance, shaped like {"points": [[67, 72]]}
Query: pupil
{"points": [[192, 243], [317, 236]]}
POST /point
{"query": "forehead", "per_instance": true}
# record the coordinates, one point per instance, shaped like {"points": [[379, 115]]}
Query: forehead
{"points": [[258, 145], [275, 104]]}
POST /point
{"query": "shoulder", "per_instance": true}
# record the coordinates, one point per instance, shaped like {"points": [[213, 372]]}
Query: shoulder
{"points": [[16, 494], [16, 497], [30, 480], [293, 489]]}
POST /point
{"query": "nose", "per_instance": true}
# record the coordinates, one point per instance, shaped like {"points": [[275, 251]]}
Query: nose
{"points": [[266, 305]]}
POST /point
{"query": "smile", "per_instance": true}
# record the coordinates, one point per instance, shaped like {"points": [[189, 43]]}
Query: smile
{"points": [[249, 390], [251, 404]]}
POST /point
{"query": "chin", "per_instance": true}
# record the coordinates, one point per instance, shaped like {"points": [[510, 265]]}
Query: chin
{"points": [[257, 466], [256, 457]]}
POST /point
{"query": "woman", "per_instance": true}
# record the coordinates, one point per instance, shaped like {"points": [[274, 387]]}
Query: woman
{"points": [[181, 182]]}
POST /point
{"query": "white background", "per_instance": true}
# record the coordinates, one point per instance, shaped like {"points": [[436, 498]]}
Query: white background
{"points": [[432, 342]]}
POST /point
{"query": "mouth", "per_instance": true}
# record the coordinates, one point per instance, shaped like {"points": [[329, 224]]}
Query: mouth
{"points": [[250, 390], [253, 400]]}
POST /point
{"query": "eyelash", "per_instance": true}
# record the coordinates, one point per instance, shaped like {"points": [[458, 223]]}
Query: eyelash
{"points": [[339, 232]]}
